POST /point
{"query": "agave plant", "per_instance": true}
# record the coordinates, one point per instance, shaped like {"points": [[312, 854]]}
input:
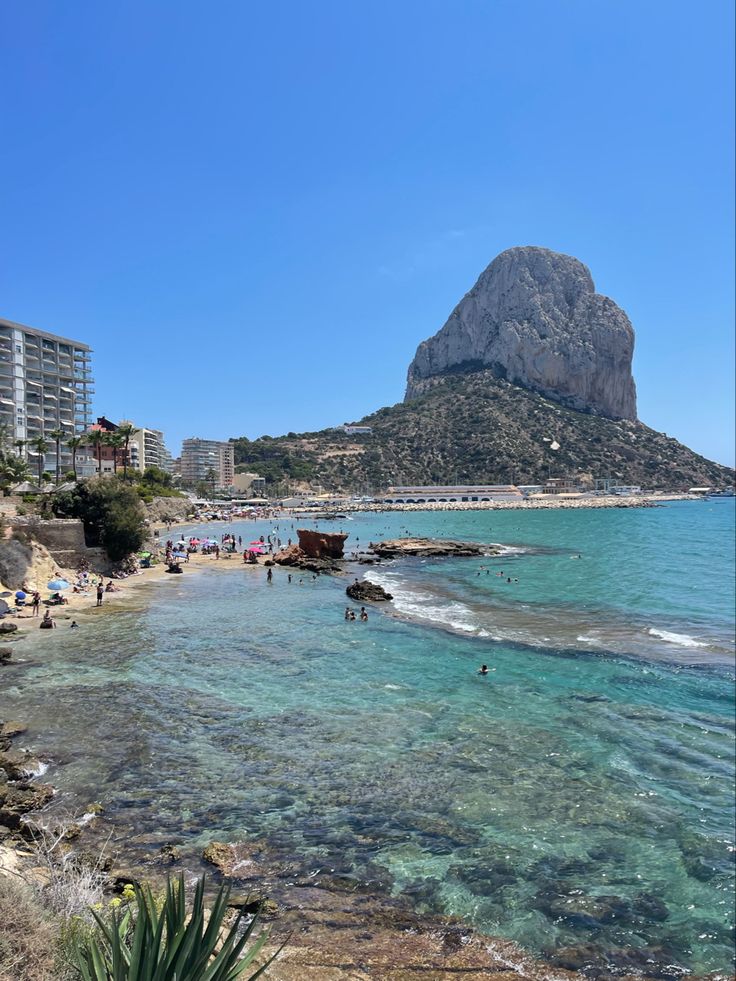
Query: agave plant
{"points": [[170, 943]]}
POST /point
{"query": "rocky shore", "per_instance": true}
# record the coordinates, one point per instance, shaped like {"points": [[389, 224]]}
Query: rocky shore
{"points": [[545, 503]]}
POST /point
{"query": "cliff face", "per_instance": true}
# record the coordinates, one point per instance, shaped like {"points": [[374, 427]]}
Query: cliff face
{"points": [[534, 318]]}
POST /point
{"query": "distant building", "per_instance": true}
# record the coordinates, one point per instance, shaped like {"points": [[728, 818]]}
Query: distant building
{"points": [[562, 485], [148, 449], [431, 494], [45, 384], [357, 430], [104, 461], [199, 457], [252, 482]]}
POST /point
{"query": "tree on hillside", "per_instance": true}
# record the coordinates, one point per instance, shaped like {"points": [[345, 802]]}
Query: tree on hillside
{"points": [[111, 512], [13, 470], [40, 447]]}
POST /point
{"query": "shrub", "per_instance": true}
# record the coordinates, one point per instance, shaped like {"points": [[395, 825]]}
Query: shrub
{"points": [[111, 511], [170, 943]]}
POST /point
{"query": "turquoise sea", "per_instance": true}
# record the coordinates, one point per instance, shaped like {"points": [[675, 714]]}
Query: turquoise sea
{"points": [[581, 793]]}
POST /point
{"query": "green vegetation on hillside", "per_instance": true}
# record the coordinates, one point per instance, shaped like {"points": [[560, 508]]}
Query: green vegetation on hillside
{"points": [[478, 428], [111, 511]]}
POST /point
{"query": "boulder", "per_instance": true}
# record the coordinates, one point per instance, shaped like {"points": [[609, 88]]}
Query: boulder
{"points": [[12, 729], [363, 591], [5, 654], [534, 317], [321, 544], [6, 627]]}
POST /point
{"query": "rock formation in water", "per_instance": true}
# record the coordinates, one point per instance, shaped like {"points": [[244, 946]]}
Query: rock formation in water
{"points": [[535, 319]]}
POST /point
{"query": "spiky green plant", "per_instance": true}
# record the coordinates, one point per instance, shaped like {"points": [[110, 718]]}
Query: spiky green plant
{"points": [[170, 943]]}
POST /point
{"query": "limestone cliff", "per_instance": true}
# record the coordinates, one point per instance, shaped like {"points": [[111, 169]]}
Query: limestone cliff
{"points": [[534, 318]]}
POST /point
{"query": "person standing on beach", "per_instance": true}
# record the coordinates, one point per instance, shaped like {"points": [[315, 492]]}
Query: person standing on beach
{"points": [[100, 594], [36, 602], [269, 576]]}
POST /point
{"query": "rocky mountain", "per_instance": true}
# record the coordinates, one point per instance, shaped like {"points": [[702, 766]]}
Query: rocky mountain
{"points": [[529, 378], [479, 428], [534, 318]]}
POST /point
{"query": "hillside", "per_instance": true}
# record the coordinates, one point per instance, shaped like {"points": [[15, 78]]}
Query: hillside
{"points": [[476, 427]]}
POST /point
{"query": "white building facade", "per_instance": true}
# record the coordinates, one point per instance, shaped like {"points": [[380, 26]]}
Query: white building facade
{"points": [[201, 457], [45, 384]]}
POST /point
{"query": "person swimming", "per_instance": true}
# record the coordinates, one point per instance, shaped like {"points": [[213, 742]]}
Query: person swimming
{"points": [[483, 669]]}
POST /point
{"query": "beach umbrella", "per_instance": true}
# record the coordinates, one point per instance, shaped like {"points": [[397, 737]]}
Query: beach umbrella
{"points": [[20, 594], [57, 584]]}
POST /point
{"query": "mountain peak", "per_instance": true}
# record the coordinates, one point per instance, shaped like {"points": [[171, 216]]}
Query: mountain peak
{"points": [[534, 317]]}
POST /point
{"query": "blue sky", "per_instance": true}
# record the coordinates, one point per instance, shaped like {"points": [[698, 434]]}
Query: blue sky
{"points": [[255, 212]]}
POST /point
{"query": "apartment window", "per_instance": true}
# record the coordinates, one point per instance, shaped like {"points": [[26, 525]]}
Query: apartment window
{"points": [[19, 348]]}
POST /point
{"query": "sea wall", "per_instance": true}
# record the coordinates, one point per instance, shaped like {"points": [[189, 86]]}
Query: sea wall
{"points": [[62, 537]]}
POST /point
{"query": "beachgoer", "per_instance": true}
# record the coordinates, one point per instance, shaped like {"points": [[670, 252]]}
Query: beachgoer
{"points": [[483, 669], [352, 614], [36, 602], [269, 576], [100, 594], [73, 625], [48, 622], [289, 577], [363, 614], [347, 612]]}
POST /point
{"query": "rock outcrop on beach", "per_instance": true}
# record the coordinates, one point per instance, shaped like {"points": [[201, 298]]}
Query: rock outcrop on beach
{"points": [[534, 318], [364, 591], [429, 548], [321, 544]]}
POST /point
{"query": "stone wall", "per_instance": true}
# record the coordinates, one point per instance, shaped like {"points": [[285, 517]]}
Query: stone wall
{"points": [[64, 539]]}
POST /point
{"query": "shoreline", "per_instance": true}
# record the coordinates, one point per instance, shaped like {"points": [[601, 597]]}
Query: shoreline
{"points": [[328, 919]]}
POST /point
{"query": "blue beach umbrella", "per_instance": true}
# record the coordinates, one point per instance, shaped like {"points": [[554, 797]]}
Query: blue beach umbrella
{"points": [[57, 584], [20, 594]]}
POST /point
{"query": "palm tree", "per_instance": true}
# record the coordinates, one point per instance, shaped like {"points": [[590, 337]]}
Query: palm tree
{"points": [[13, 470], [96, 438], [211, 478], [40, 446], [127, 430], [57, 435], [19, 444], [4, 436], [115, 441], [74, 442]]}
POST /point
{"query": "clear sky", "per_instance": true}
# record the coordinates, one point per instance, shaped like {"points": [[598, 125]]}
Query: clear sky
{"points": [[254, 212]]}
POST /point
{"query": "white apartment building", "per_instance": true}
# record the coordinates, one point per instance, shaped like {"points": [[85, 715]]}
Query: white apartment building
{"points": [[199, 457], [148, 449], [45, 384]]}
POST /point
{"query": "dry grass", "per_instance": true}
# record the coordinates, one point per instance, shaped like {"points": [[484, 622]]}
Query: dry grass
{"points": [[28, 936]]}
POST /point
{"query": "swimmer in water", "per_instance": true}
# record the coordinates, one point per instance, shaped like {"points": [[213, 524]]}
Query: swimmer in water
{"points": [[483, 669]]}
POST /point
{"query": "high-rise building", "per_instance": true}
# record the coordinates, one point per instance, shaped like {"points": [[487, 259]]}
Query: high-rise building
{"points": [[45, 385], [202, 457], [148, 449]]}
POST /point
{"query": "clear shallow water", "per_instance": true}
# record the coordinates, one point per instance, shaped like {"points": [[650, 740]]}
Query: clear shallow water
{"points": [[582, 793]]}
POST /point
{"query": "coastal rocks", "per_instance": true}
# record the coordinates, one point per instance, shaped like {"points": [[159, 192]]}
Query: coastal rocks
{"points": [[6, 654], [321, 544], [18, 763], [364, 591], [9, 730], [534, 317], [232, 861], [429, 548], [8, 628], [316, 551], [21, 798]]}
